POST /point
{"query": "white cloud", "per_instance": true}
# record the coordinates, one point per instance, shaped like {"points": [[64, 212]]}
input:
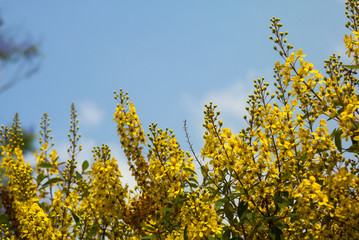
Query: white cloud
{"points": [[90, 113], [231, 101]]}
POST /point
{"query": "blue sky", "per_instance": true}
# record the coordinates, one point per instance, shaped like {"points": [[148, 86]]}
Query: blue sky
{"points": [[171, 56]]}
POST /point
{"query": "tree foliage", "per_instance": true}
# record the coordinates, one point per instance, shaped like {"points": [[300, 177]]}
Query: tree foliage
{"points": [[17, 58], [292, 173]]}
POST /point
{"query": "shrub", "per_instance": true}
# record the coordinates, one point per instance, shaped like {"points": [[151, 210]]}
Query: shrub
{"points": [[284, 176]]}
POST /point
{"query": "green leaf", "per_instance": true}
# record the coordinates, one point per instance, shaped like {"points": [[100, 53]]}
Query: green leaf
{"points": [[294, 217], [282, 225], [236, 238], [249, 215], [219, 203], [274, 218], [242, 209], [255, 229], [261, 229], [332, 135], [338, 140], [353, 148], [52, 181], [226, 187], [307, 115], [166, 209], [276, 233], [149, 228], [85, 165], [190, 170], [78, 176], [193, 180], [45, 165], [234, 196], [281, 199], [228, 212], [39, 178], [93, 230], [149, 237], [283, 205], [285, 194], [204, 171], [76, 218], [4, 219], [340, 111], [226, 235], [301, 157], [185, 235], [213, 191], [351, 66]]}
